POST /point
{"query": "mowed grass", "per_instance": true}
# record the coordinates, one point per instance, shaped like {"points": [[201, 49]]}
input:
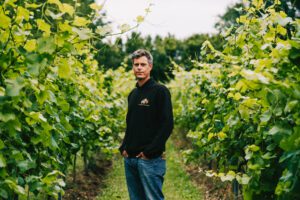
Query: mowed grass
{"points": [[177, 185], [115, 183]]}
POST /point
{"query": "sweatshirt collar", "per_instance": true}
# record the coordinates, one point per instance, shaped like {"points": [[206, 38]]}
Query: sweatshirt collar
{"points": [[145, 85]]}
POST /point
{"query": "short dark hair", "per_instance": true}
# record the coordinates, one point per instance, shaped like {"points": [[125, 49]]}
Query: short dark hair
{"points": [[142, 52]]}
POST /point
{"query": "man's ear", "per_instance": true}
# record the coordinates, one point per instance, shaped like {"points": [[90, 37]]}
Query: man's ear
{"points": [[151, 66]]}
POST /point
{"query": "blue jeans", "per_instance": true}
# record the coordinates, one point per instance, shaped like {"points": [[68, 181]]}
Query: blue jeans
{"points": [[145, 178]]}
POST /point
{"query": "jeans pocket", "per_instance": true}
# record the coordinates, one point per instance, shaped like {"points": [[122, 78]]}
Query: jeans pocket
{"points": [[155, 166]]}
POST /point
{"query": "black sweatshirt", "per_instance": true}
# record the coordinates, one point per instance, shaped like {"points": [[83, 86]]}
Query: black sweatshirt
{"points": [[149, 120]]}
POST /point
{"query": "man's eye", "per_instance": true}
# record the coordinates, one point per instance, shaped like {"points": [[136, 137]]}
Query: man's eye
{"points": [[142, 64]]}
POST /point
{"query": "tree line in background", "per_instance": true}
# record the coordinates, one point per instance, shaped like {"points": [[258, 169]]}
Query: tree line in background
{"points": [[164, 51]]}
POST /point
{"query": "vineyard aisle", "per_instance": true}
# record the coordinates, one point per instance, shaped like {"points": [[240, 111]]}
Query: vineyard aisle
{"points": [[177, 185]]}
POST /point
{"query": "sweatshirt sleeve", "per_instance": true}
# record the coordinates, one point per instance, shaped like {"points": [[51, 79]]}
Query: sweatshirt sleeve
{"points": [[165, 116], [123, 145]]}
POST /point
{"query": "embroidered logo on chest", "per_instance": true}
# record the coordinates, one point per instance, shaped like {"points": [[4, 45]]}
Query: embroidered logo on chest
{"points": [[144, 102]]}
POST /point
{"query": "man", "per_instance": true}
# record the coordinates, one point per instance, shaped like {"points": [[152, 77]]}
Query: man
{"points": [[149, 123]]}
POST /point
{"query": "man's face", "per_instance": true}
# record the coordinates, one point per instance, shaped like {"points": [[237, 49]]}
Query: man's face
{"points": [[141, 68]]}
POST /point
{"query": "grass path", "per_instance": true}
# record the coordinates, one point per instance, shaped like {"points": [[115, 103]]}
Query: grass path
{"points": [[177, 185]]}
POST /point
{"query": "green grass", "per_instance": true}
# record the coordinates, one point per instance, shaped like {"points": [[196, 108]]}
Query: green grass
{"points": [[177, 185]]}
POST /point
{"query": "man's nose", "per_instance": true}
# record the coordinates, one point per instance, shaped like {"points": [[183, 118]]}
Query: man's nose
{"points": [[139, 66]]}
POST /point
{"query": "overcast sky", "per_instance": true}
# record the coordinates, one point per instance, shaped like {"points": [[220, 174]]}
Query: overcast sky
{"points": [[181, 18]]}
